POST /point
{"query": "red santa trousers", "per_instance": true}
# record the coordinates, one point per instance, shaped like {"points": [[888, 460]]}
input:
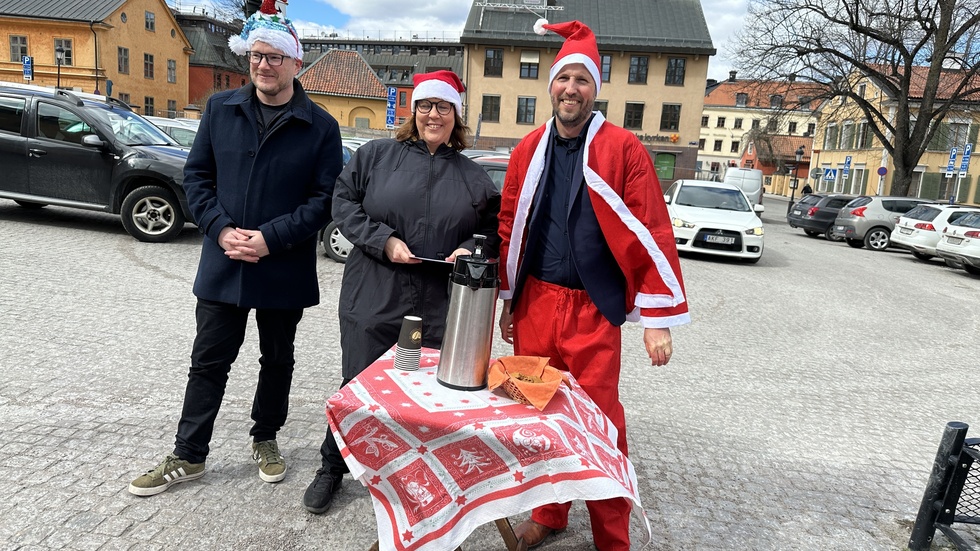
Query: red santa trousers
{"points": [[564, 325]]}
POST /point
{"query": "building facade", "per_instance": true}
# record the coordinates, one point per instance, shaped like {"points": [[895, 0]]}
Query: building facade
{"points": [[130, 49], [654, 63], [213, 66], [342, 83]]}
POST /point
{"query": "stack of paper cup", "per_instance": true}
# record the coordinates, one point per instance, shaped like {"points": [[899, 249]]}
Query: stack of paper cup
{"points": [[408, 350]]}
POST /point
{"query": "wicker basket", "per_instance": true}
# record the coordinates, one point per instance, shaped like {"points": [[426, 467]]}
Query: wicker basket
{"points": [[514, 392]]}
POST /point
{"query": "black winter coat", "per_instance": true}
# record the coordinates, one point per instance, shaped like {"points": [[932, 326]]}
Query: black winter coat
{"points": [[281, 185], [434, 203]]}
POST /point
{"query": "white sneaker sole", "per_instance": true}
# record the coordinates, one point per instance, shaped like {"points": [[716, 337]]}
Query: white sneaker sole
{"points": [[144, 492], [272, 478]]}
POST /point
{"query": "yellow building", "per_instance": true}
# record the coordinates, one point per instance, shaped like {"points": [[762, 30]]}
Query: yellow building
{"points": [[654, 64], [844, 141], [341, 82], [134, 47]]}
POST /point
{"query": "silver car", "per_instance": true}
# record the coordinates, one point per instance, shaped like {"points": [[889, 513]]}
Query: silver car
{"points": [[868, 221]]}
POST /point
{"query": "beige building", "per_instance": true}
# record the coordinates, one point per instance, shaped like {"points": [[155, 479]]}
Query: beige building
{"points": [[341, 82], [844, 141], [654, 64], [134, 44]]}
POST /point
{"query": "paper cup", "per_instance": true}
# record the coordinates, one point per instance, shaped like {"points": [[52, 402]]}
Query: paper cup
{"points": [[410, 337]]}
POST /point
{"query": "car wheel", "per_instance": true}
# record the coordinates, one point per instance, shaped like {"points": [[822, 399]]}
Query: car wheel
{"points": [[971, 269], [856, 243], [336, 245], [831, 235], [30, 204], [811, 233], [877, 239], [152, 214], [922, 256]]}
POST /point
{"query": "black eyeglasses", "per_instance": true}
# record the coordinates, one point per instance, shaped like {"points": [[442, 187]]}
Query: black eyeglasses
{"points": [[443, 107], [274, 60]]}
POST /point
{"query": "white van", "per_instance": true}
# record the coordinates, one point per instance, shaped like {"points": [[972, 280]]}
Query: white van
{"points": [[749, 180]]}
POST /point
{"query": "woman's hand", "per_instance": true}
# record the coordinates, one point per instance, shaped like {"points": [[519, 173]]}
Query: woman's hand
{"points": [[458, 252], [397, 251]]}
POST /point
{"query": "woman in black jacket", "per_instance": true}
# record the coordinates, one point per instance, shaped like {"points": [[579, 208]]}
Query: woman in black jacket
{"points": [[397, 201]]}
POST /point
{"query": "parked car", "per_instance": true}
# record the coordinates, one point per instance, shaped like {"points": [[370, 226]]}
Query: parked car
{"points": [[868, 221], [183, 131], [749, 180], [920, 229], [76, 150], [354, 143], [476, 153], [715, 218], [816, 212], [338, 247], [960, 243]]}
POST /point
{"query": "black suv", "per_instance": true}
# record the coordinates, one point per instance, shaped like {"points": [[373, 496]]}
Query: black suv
{"points": [[77, 150], [815, 213]]}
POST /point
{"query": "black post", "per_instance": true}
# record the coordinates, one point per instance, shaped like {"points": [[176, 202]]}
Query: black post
{"points": [[59, 56], [796, 179], [942, 469]]}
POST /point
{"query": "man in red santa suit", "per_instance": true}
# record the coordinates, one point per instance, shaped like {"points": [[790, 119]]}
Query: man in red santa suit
{"points": [[587, 244]]}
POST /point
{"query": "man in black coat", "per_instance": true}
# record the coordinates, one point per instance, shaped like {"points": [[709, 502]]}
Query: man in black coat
{"points": [[259, 181]]}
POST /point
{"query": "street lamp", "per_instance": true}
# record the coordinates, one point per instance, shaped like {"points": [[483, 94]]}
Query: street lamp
{"points": [[796, 179], [59, 57]]}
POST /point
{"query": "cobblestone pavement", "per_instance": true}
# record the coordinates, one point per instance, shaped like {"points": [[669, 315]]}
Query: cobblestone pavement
{"points": [[802, 409]]}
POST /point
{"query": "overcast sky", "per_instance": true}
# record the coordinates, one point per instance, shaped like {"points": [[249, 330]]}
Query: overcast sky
{"points": [[437, 18]]}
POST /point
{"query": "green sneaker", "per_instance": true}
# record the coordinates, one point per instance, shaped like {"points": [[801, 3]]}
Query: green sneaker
{"points": [[170, 471], [272, 467]]}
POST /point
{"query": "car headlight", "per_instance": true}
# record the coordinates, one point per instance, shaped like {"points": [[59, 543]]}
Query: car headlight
{"points": [[755, 231], [681, 223]]}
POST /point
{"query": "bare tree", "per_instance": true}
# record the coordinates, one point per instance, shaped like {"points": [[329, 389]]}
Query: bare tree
{"points": [[923, 54]]}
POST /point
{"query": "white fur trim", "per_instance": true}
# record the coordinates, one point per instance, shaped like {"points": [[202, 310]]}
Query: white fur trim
{"points": [[539, 26], [435, 88], [284, 42], [577, 58], [522, 213], [237, 45], [649, 322]]}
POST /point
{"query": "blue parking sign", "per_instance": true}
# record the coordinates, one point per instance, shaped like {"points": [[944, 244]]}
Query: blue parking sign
{"points": [[28, 67], [390, 110]]}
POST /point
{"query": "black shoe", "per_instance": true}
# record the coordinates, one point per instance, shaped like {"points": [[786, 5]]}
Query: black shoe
{"points": [[320, 492]]}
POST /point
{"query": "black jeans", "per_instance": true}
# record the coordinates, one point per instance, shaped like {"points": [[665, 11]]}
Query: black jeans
{"points": [[330, 456], [220, 334]]}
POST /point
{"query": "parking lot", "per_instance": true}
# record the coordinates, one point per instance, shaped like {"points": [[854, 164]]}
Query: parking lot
{"points": [[802, 408]]}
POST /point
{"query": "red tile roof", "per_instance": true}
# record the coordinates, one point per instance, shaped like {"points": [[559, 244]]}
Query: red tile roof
{"points": [[343, 73], [949, 81], [759, 92]]}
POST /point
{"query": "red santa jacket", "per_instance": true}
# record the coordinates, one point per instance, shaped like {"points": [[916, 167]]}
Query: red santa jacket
{"points": [[629, 205]]}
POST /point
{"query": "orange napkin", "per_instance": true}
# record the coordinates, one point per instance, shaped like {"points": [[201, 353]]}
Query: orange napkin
{"points": [[502, 373]]}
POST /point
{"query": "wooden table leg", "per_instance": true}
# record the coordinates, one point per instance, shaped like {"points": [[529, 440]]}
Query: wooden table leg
{"points": [[507, 532]]}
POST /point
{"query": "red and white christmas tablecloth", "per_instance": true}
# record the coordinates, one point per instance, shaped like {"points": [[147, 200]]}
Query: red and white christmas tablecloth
{"points": [[440, 462]]}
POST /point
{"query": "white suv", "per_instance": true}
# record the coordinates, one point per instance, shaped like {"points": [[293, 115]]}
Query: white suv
{"points": [[919, 229]]}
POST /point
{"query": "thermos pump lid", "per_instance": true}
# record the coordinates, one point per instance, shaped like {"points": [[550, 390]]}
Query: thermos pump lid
{"points": [[476, 271]]}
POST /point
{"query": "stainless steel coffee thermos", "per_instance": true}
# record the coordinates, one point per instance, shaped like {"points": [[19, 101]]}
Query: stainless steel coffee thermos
{"points": [[465, 354]]}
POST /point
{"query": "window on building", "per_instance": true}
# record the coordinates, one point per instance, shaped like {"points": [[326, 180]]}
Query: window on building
{"points": [[491, 109], [414, 50], [830, 137], [11, 114], [529, 64], [124, 98], [804, 102], [525, 110], [172, 108], [18, 48], [717, 146], [675, 71], [634, 116], [227, 82], [664, 164], [402, 99], [171, 70], [147, 65], [65, 44], [701, 144], [148, 108], [862, 89], [217, 82], [606, 68], [122, 56], [741, 100], [811, 128], [776, 101], [738, 124], [704, 121], [601, 106], [151, 21], [638, 69], [792, 127], [493, 64], [863, 135], [772, 125], [433, 50], [721, 122], [847, 136], [735, 146], [670, 116], [959, 133]]}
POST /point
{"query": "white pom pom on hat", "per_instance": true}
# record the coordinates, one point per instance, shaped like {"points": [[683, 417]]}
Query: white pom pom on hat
{"points": [[539, 26]]}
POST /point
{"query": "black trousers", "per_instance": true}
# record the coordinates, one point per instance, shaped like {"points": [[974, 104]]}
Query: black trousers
{"points": [[220, 334], [330, 456]]}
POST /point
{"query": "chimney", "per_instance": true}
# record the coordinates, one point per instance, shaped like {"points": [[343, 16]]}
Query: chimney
{"points": [[731, 76]]}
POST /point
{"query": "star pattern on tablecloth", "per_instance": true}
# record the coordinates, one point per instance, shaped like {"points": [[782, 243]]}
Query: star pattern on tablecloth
{"points": [[373, 408], [518, 476], [375, 480], [422, 449], [459, 414], [417, 383], [407, 404], [386, 391], [461, 500], [477, 426], [497, 412], [585, 462], [407, 535], [426, 394], [424, 429]]}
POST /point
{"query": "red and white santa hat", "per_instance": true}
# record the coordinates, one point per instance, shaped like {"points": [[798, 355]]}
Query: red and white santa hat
{"points": [[269, 25], [580, 47], [442, 84]]}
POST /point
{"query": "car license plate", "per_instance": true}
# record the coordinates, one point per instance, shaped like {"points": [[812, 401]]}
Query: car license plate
{"points": [[954, 240], [725, 240], [906, 231], [796, 212]]}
